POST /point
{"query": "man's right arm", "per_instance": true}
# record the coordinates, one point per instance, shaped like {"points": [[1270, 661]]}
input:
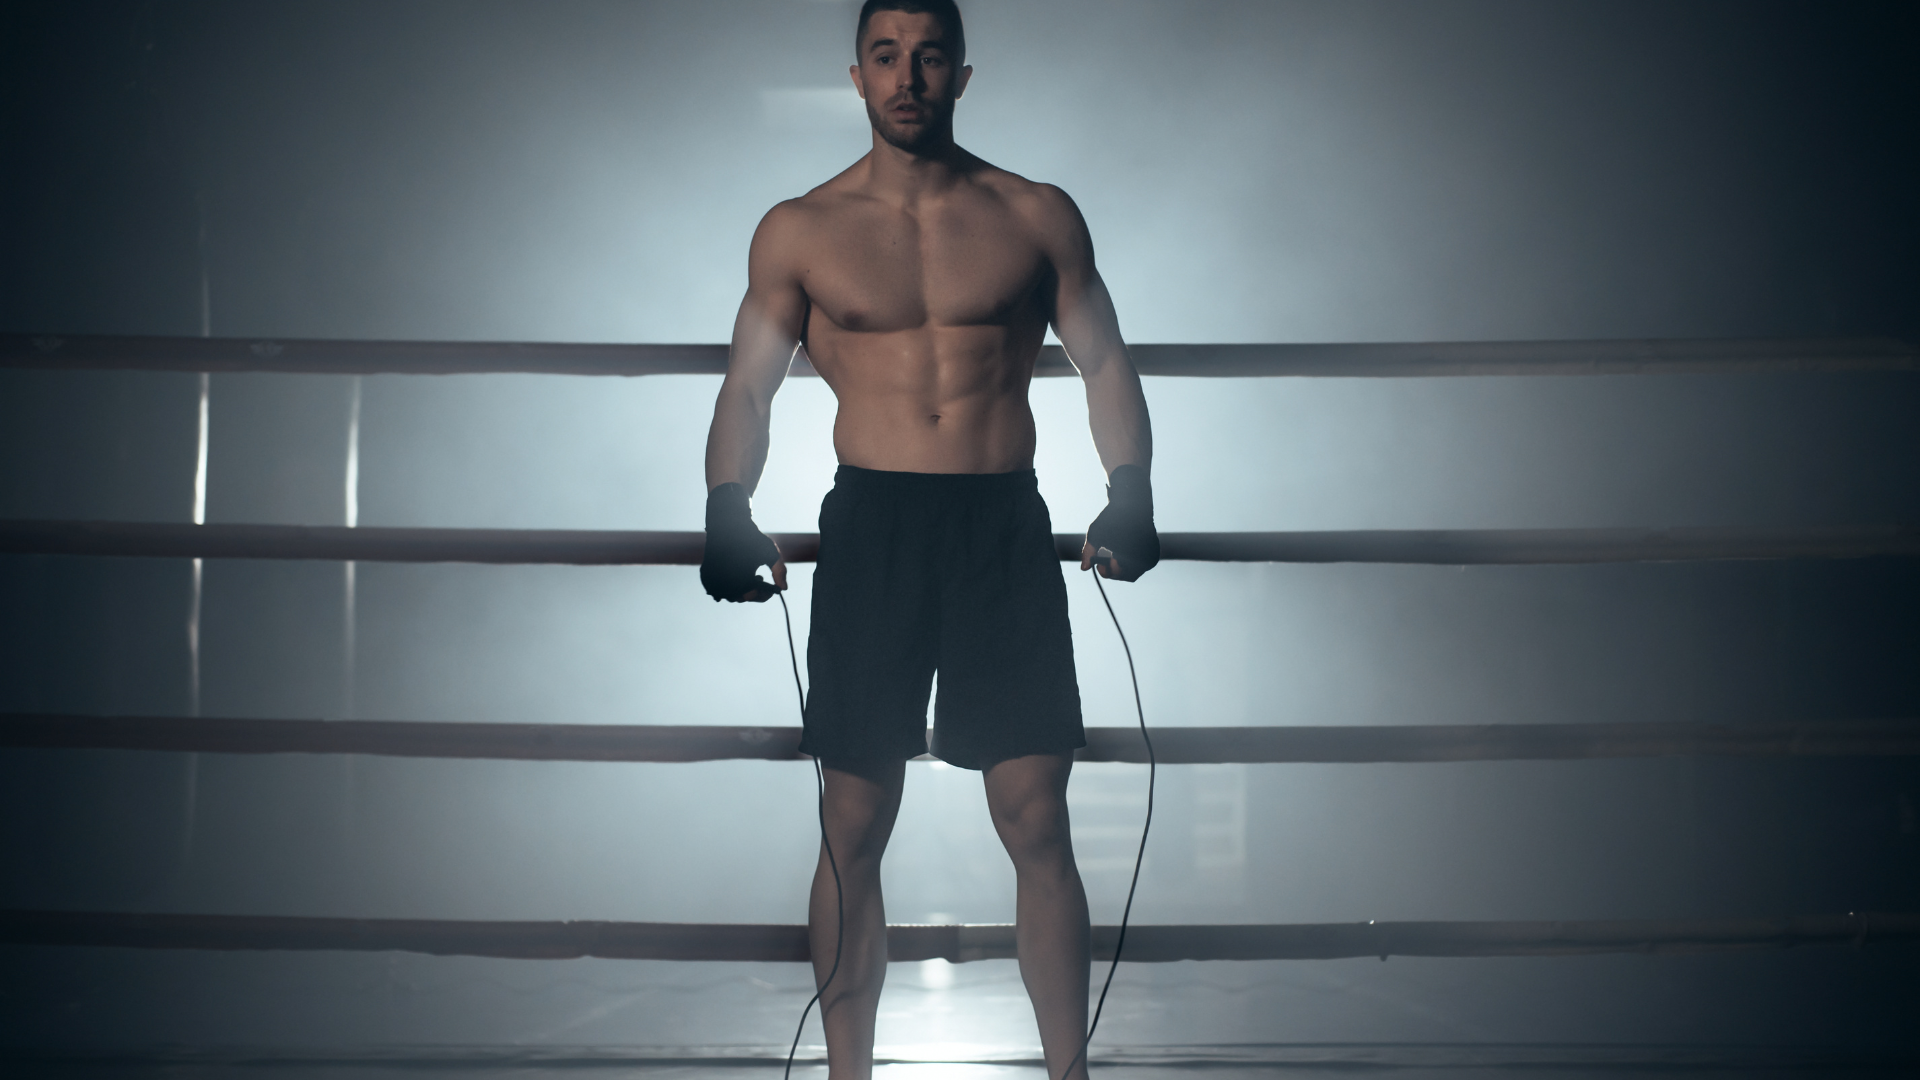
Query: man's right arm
{"points": [[765, 335]]}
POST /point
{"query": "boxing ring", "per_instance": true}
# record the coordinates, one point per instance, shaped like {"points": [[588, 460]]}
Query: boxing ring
{"points": [[1880, 737]]}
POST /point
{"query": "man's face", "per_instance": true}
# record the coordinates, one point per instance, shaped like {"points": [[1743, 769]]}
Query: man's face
{"points": [[908, 80]]}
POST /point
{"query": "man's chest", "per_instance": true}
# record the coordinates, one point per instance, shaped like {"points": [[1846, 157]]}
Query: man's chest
{"points": [[874, 273]]}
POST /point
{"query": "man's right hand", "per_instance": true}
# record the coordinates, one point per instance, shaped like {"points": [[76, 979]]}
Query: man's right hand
{"points": [[736, 549]]}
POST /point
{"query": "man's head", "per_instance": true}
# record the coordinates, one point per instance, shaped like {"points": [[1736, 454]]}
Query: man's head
{"points": [[910, 68]]}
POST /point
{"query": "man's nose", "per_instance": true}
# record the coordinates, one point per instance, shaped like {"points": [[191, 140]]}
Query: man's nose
{"points": [[916, 77]]}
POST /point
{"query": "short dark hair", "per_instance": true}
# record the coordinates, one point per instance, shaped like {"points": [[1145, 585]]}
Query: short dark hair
{"points": [[945, 10]]}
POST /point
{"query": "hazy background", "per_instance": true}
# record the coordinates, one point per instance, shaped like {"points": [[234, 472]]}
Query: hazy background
{"points": [[1252, 171]]}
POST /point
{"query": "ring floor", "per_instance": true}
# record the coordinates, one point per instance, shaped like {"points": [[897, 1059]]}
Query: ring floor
{"points": [[1408, 1069]]}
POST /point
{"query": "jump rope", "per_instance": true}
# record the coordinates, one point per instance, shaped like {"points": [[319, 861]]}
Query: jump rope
{"points": [[839, 907]]}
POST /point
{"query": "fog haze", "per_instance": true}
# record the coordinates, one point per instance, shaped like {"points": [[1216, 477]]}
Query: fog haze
{"points": [[1251, 172]]}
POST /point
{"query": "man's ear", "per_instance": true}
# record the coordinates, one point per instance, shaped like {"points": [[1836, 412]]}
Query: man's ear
{"points": [[966, 73], [853, 72]]}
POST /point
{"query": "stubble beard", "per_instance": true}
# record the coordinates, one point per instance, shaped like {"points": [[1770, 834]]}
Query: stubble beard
{"points": [[920, 140]]}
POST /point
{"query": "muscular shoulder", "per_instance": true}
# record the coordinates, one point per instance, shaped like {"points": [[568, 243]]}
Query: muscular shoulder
{"points": [[788, 232], [797, 223], [782, 227], [1030, 198], [1049, 213]]}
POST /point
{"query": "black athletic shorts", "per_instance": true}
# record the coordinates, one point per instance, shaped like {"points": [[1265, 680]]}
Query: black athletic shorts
{"points": [[954, 572]]}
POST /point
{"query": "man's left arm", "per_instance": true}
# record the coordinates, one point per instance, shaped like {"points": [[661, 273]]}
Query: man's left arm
{"points": [[1084, 320]]}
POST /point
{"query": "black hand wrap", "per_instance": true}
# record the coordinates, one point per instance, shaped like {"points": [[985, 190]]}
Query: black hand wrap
{"points": [[736, 548], [1125, 527]]}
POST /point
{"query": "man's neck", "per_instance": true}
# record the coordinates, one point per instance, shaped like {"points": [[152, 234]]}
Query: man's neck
{"points": [[908, 175]]}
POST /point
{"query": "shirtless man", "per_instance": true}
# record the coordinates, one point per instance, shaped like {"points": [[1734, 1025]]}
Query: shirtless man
{"points": [[921, 282]]}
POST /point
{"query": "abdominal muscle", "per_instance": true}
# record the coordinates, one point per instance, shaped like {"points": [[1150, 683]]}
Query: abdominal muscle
{"points": [[931, 399]]}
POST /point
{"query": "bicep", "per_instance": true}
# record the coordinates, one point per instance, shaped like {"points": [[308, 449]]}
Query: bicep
{"points": [[772, 313], [1083, 314]]}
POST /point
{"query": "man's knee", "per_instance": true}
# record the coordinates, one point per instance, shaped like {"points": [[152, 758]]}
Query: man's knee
{"points": [[1028, 800], [860, 808], [1036, 828]]}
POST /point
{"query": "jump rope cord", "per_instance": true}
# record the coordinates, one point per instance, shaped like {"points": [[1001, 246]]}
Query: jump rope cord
{"points": [[839, 906], [1153, 767], [840, 914]]}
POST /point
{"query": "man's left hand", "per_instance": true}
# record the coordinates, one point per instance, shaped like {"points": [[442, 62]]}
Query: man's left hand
{"points": [[1122, 540]]}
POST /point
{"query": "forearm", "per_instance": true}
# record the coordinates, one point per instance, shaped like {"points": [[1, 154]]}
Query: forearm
{"points": [[1116, 404], [1117, 412], [1122, 539], [737, 442], [735, 548]]}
